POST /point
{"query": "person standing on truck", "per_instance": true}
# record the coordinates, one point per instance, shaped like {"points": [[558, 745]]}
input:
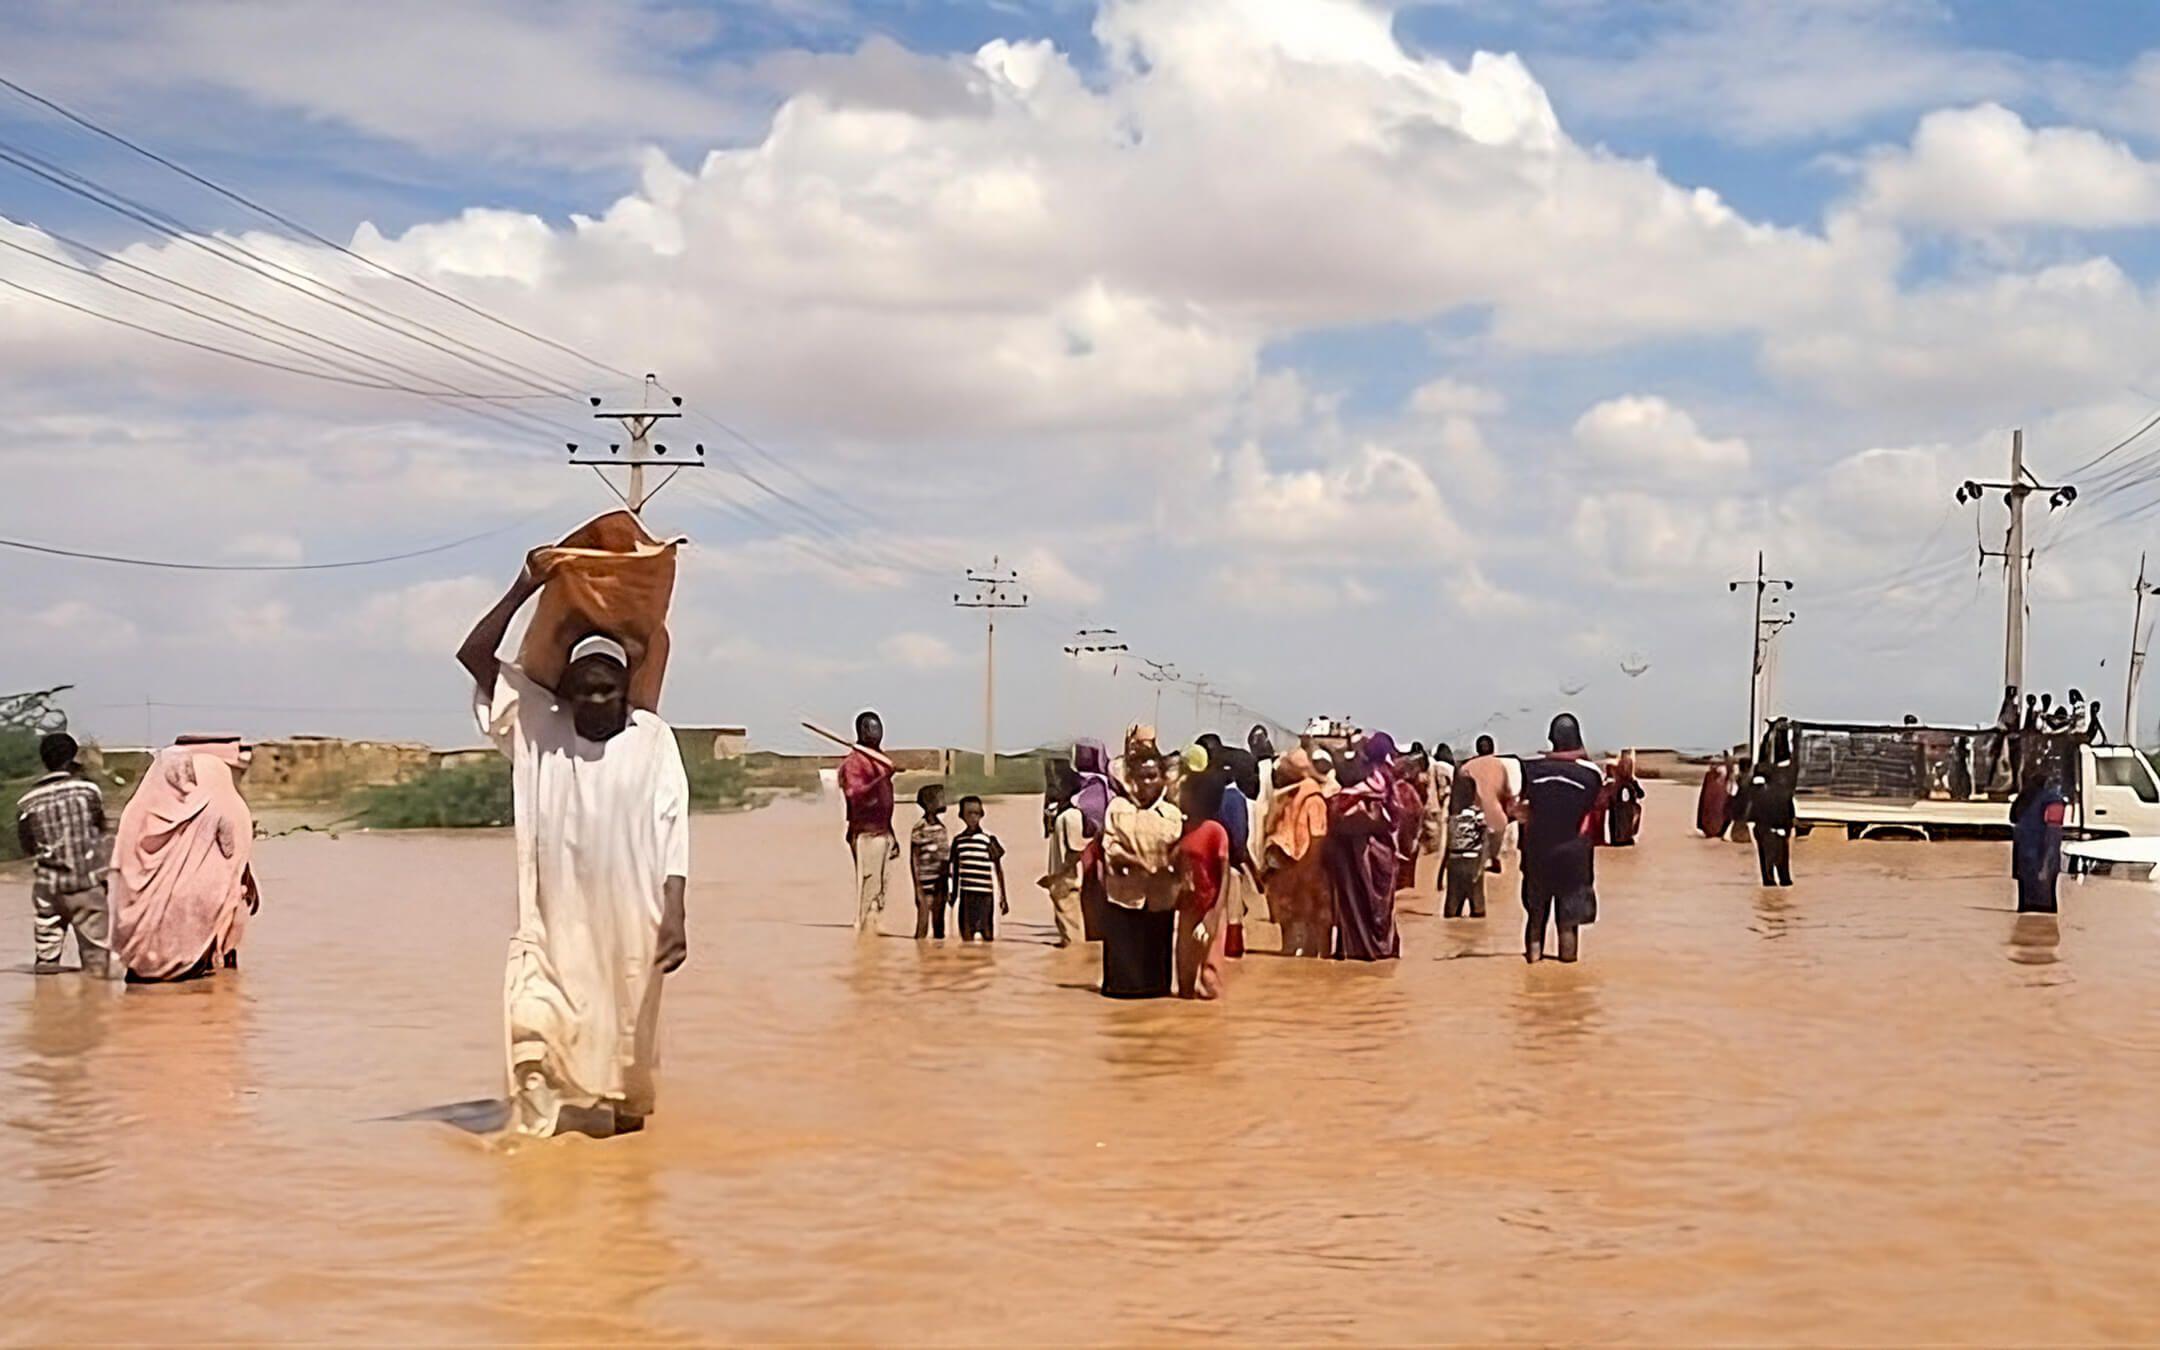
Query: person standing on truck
{"points": [[1770, 807], [2036, 829], [2000, 748], [2022, 743]]}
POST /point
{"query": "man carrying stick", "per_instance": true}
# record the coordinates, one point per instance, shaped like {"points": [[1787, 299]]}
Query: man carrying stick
{"points": [[866, 780]]}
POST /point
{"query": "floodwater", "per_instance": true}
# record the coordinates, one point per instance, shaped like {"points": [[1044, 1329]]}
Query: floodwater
{"points": [[1876, 1108]]}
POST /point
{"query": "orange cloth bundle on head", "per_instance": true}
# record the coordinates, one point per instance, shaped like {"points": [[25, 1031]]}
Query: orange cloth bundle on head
{"points": [[606, 576]]}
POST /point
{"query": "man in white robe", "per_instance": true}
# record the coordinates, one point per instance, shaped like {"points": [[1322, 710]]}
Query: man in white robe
{"points": [[602, 827]]}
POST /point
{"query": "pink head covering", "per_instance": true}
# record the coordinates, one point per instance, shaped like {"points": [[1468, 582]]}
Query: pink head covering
{"points": [[180, 862]]}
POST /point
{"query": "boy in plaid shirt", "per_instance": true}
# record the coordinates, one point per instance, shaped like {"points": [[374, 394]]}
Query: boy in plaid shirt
{"points": [[60, 822]]}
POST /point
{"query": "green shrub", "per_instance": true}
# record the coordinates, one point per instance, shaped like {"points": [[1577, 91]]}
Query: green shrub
{"points": [[1017, 775], [471, 794], [716, 784], [476, 794], [10, 793]]}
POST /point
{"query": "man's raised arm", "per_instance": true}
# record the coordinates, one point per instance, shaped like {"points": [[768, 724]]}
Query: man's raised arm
{"points": [[479, 653]]}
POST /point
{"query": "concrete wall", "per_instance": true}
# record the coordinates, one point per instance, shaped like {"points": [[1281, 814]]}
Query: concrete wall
{"points": [[320, 768], [302, 769], [712, 742], [907, 761]]}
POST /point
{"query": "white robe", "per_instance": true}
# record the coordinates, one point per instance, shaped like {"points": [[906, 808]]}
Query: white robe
{"points": [[601, 826]]}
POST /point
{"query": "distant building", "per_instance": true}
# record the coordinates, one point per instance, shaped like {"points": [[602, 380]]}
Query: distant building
{"points": [[713, 742]]}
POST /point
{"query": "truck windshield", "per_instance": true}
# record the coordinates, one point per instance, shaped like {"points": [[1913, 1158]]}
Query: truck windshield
{"points": [[2127, 768]]}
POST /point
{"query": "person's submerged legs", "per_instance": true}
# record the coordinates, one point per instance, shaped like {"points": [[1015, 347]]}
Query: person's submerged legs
{"points": [[1570, 941]]}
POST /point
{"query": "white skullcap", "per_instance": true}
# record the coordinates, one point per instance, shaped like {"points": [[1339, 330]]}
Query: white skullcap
{"points": [[599, 644]]}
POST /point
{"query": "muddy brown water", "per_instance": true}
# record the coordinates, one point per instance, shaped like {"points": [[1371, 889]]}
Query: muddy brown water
{"points": [[1876, 1108]]}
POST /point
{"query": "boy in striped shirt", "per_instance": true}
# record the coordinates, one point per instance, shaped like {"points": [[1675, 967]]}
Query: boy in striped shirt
{"points": [[977, 868]]}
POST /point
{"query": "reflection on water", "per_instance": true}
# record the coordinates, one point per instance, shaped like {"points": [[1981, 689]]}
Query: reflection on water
{"points": [[1829, 1114], [2036, 939]]}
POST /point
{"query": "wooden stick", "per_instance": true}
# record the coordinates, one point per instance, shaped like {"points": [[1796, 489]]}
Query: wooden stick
{"points": [[837, 739]]}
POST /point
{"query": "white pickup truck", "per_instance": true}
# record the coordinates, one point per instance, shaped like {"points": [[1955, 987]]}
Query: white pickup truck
{"points": [[1909, 782]]}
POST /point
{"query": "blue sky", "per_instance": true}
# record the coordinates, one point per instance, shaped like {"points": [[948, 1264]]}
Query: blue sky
{"points": [[1411, 364]]}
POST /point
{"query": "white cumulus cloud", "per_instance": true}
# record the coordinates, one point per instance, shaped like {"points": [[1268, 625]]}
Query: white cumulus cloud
{"points": [[1643, 433], [1982, 168], [918, 651]]}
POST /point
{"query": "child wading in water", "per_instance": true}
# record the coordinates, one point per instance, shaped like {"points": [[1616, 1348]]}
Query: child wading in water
{"points": [[1465, 873], [977, 869], [927, 849]]}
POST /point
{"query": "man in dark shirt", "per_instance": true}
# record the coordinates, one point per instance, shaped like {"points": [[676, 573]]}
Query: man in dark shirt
{"points": [[1558, 795], [1771, 808]]}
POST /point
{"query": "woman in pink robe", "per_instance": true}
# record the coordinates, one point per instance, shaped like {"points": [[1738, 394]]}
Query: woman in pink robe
{"points": [[182, 888]]}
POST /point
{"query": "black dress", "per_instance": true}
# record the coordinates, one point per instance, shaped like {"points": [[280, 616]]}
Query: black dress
{"points": [[1138, 946]]}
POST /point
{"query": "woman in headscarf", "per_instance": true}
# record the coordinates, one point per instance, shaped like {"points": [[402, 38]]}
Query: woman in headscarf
{"points": [[182, 887], [1139, 741], [1238, 814], [1623, 805], [1715, 797], [1139, 843], [1412, 783], [1204, 853], [1300, 897], [1092, 797], [1362, 855]]}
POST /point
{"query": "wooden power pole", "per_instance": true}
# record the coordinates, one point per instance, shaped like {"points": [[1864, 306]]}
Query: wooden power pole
{"points": [[996, 588], [643, 452]]}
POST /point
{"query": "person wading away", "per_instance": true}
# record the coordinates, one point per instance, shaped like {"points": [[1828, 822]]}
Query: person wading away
{"points": [[867, 783], [603, 845], [60, 823], [2036, 824], [182, 885], [977, 868], [1496, 796], [1559, 795], [1770, 807], [1465, 868]]}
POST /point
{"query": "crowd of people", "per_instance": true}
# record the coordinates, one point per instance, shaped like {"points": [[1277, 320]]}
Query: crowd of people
{"points": [[1160, 854]]}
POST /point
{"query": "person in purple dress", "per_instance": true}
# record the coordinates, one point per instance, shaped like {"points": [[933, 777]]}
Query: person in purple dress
{"points": [[1362, 855]]}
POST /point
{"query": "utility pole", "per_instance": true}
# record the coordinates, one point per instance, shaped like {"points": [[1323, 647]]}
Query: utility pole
{"points": [[1158, 673], [1089, 642], [1634, 665], [2016, 558], [1200, 689], [2138, 640], [643, 452], [1761, 584], [994, 590]]}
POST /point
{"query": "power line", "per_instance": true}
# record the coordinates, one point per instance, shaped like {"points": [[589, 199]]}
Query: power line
{"points": [[190, 342], [229, 252], [291, 224], [2090, 464], [85, 555], [116, 260], [368, 380]]}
